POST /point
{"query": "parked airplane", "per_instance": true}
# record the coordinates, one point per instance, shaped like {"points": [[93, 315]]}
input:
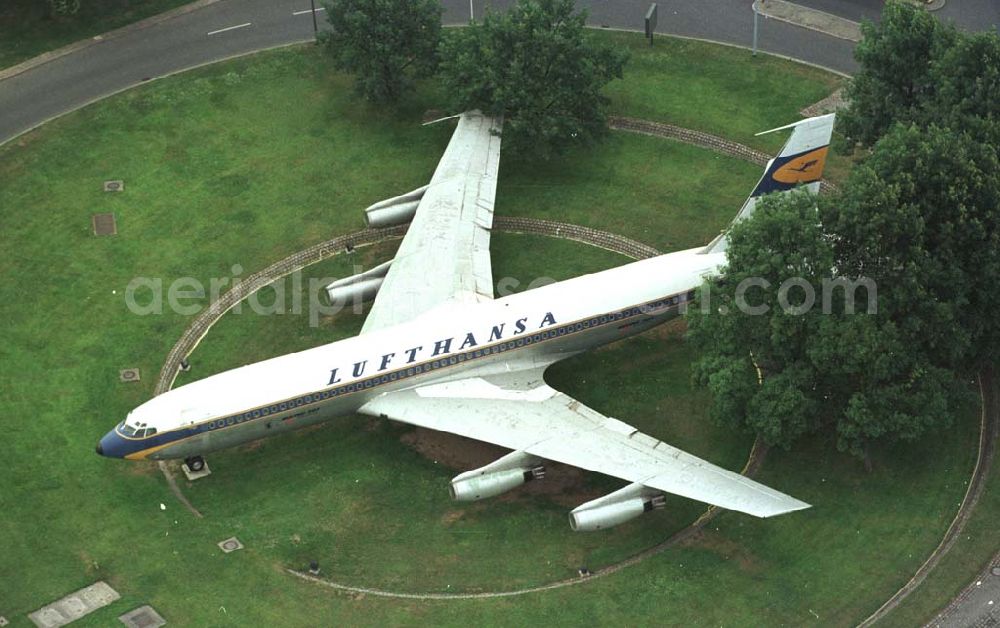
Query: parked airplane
{"points": [[437, 350]]}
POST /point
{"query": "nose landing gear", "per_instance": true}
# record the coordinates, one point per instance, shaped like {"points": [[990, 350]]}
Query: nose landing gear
{"points": [[195, 468]]}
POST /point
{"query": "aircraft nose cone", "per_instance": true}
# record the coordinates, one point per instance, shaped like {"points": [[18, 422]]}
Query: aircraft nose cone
{"points": [[111, 446]]}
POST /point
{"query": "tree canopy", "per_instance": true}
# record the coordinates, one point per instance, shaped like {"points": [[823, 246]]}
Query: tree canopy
{"points": [[896, 77], [384, 43], [741, 326], [62, 8], [917, 69], [921, 216], [919, 220], [535, 65]]}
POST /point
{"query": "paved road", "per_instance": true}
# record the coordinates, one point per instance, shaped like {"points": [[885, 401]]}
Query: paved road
{"points": [[30, 98]]}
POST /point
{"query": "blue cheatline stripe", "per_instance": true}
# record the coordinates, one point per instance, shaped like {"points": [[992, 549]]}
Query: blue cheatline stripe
{"points": [[427, 366]]}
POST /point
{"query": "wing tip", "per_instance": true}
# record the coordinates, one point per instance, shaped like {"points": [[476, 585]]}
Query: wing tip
{"points": [[794, 506]]}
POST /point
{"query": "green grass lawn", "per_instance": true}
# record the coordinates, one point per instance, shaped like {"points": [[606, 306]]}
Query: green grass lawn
{"points": [[718, 89], [27, 29], [249, 161], [971, 553], [727, 92]]}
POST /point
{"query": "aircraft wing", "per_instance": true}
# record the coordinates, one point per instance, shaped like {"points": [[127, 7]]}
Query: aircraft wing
{"points": [[521, 412], [445, 255]]}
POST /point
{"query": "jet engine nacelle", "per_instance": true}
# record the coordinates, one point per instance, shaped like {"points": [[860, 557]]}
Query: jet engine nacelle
{"points": [[394, 211], [358, 288], [498, 477], [616, 508], [361, 291], [493, 484]]}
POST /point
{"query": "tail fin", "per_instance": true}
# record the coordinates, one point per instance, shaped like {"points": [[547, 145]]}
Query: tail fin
{"points": [[800, 161]]}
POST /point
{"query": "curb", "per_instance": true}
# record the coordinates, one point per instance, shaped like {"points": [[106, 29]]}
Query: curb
{"points": [[717, 42], [237, 55], [700, 139], [52, 55], [944, 617], [201, 325], [930, 5], [813, 19], [988, 434], [754, 461]]}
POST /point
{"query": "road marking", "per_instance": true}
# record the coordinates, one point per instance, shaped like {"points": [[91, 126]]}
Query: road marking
{"points": [[308, 11], [229, 28]]}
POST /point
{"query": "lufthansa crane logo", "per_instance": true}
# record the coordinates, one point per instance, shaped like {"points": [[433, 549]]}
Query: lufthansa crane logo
{"points": [[803, 168]]}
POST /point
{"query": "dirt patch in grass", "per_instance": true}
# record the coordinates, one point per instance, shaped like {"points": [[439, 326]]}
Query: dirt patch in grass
{"points": [[452, 516], [141, 469], [563, 484]]}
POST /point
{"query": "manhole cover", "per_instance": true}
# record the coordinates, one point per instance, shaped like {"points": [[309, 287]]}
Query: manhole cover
{"points": [[104, 224], [231, 545], [129, 375], [114, 186], [142, 617]]}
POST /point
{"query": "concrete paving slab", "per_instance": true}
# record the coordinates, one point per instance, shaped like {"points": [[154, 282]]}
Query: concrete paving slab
{"points": [[128, 375], [806, 17], [143, 617], [74, 606], [104, 224], [195, 475], [833, 102], [116, 185]]}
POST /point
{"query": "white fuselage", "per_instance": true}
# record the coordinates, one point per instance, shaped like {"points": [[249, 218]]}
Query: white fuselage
{"points": [[527, 330]]}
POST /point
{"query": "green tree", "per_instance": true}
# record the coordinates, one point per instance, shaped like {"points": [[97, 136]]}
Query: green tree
{"points": [[384, 43], [535, 65], [62, 8], [967, 97], [784, 369], [754, 350], [896, 77], [921, 216], [920, 220]]}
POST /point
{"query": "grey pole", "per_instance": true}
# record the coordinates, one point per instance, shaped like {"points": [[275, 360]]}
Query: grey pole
{"points": [[312, 5], [756, 15]]}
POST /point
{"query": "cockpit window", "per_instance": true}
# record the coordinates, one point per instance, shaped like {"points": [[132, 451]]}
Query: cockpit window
{"points": [[139, 430]]}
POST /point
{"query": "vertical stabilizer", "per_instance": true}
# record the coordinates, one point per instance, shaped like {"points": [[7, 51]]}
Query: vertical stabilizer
{"points": [[800, 162]]}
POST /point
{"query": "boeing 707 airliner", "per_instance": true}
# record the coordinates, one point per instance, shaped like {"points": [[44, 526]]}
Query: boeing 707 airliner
{"points": [[437, 350]]}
